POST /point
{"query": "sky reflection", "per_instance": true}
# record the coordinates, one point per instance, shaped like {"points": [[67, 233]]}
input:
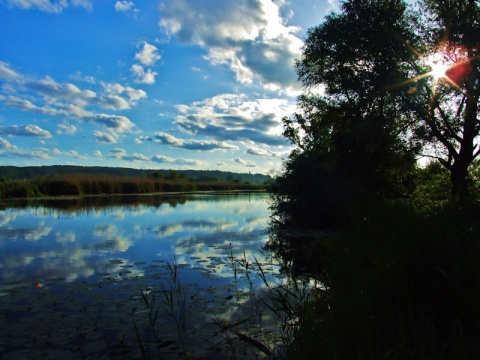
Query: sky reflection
{"points": [[76, 268], [42, 242]]}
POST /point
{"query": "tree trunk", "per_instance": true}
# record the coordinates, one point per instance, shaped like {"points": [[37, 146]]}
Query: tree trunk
{"points": [[459, 170], [458, 176]]}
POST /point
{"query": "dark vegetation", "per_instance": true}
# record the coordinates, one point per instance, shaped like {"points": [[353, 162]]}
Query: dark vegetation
{"points": [[394, 245], [80, 184]]}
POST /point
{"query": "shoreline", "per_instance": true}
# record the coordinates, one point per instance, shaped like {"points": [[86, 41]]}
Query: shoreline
{"points": [[159, 194]]}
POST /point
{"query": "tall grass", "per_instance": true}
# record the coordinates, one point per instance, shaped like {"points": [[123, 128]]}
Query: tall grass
{"points": [[78, 185], [398, 284], [258, 324], [171, 300]]}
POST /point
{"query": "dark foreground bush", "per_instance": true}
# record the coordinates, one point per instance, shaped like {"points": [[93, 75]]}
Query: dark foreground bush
{"points": [[398, 285]]}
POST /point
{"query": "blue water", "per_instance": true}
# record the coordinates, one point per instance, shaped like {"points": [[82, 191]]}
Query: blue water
{"points": [[38, 243], [72, 273]]}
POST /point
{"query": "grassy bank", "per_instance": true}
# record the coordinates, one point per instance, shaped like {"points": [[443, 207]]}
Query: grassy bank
{"points": [[80, 185], [398, 284]]}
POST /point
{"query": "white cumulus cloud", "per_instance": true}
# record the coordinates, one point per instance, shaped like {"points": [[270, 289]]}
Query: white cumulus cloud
{"points": [[124, 6], [142, 76], [105, 137], [148, 54], [25, 130], [66, 129]]}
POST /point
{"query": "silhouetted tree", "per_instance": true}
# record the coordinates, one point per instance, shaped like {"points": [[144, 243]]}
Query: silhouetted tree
{"points": [[351, 120], [371, 105]]}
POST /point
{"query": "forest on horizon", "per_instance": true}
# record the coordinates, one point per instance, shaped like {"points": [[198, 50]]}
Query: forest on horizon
{"points": [[31, 172]]}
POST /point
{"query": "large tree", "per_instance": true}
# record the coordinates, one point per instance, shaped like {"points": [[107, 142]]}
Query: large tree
{"points": [[355, 115], [374, 100]]}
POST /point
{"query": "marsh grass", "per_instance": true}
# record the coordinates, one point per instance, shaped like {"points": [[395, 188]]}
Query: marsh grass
{"points": [[278, 304], [397, 284], [169, 299], [256, 320], [78, 185]]}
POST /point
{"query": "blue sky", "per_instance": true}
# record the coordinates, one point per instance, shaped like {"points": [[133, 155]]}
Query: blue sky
{"points": [[172, 84]]}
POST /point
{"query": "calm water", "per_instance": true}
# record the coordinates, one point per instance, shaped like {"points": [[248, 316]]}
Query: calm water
{"points": [[75, 277]]}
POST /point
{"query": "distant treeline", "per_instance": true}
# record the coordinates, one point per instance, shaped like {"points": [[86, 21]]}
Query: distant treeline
{"points": [[31, 172], [86, 184]]}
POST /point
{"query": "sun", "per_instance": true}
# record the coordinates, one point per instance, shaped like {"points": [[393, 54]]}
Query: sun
{"points": [[439, 70], [438, 66]]}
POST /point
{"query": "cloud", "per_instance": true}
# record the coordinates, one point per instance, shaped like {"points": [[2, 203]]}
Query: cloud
{"points": [[192, 162], [7, 73], [114, 122], [25, 130], [51, 6], [121, 154], [255, 45], [124, 6], [135, 157], [71, 153], [41, 153], [113, 102], [117, 89], [9, 150], [167, 160], [4, 144], [148, 54], [235, 118], [262, 152], [162, 159], [142, 76], [65, 100], [118, 153], [53, 91], [66, 129], [86, 4], [62, 110], [105, 138], [78, 76], [205, 145], [245, 163]]}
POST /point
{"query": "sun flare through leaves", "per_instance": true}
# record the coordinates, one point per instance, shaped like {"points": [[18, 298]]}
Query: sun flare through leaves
{"points": [[438, 66]]}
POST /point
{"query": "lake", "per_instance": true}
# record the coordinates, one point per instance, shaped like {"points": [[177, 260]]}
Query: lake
{"points": [[125, 277]]}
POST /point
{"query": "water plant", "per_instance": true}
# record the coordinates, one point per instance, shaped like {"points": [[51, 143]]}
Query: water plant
{"points": [[169, 299], [257, 319]]}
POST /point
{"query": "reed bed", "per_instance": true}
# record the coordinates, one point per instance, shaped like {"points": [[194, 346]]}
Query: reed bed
{"points": [[81, 185]]}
